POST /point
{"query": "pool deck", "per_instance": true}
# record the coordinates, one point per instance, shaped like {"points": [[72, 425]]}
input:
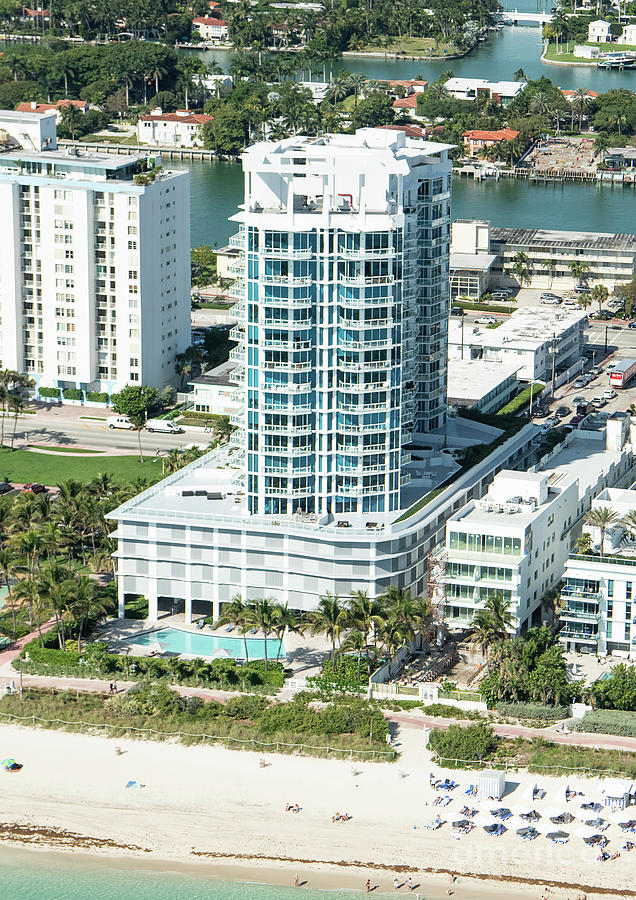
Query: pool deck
{"points": [[304, 657]]}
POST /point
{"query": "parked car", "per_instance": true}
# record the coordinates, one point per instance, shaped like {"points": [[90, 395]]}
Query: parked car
{"points": [[631, 324], [5, 487], [599, 402], [552, 421], [164, 425], [33, 487], [120, 422], [582, 289], [550, 301], [597, 370], [545, 429], [456, 311], [548, 295], [498, 295], [577, 400], [609, 394], [580, 382], [562, 411], [576, 419], [485, 320], [602, 316]]}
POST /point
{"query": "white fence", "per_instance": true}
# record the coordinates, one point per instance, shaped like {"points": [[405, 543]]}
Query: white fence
{"points": [[420, 693]]}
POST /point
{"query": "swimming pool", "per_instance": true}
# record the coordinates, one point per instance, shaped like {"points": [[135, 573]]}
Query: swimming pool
{"points": [[173, 640]]}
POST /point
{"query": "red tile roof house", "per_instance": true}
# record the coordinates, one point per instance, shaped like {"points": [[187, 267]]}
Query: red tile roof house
{"points": [[476, 140], [58, 106], [407, 105], [211, 29], [178, 129], [415, 131], [35, 14]]}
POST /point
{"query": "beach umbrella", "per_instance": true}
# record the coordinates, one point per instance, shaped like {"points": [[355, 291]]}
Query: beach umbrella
{"points": [[8, 763], [558, 836]]}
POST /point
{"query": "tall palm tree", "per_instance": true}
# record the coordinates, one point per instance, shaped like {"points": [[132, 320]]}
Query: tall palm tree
{"points": [[286, 621], [26, 591], [54, 586], [236, 613], [264, 615], [7, 566], [329, 618], [365, 615], [83, 603], [628, 522], [357, 81], [549, 265], [601, 517], [520, 267], [599, 294], [393, 634], [502, 618]]}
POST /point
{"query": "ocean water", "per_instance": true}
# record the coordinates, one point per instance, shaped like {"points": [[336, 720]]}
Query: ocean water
{"points": [[28, 875]]}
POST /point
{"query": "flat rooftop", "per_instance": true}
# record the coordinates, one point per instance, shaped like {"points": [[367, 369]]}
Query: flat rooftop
{"points": [[584, 457], [13, 115], [567, 240], [481, 261], [218, 375], [472, 379], [82, 159], [527, 328]]}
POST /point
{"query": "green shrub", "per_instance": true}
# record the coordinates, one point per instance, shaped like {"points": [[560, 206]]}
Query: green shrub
{"points": [[470, 743], [522, 400], [49, 392], [136, 608], [533, 711], [607, 721], [96, 396], [73, 394], [344, 670], [245, 706], [442, 711]]}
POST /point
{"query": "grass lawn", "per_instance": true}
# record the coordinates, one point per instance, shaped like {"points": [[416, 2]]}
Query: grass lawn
{"points": [[41, 449], [412, 46], [569, 56], [109, 139], [23, 466], [211, 304]]}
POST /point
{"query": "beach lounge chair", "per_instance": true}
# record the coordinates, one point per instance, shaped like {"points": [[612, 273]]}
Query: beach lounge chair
{"points": [[200, 624], [132, 784], [434, 825], [230, 628], [469, 790]]}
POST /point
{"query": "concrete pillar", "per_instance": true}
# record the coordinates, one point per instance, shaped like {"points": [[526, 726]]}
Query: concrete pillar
{"points": [[151, 596], [188, 607], [216, 609], [121, 597]]}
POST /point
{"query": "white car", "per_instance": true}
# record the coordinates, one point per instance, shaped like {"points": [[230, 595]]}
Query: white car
{"points": [[485, 320], [609, 394]]}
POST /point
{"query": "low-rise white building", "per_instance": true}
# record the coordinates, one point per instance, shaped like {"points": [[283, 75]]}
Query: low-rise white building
{"points": [[598, 601], [598, 32], [516, 540], [214, 393], [28, 129], [178, 129], [611, 257], [628, 36], [538, 340], [484, 386], [471, 262], [471, 88]]}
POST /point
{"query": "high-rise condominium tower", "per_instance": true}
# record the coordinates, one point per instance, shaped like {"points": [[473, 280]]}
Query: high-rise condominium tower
{"points": [[343, 317]]}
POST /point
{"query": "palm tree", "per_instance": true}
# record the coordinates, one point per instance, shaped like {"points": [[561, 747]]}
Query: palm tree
{"points": [[365, 615], [520, 75], [264, 615], [329, 618], [354, 642], [54, 586], [602, 517], [339, 88], [580, 102], [549, 265], [7, 565], [357, 81], [236, 613], [541, 104], [26, 590], [579, 270], [498, 607], [599, 294], [83, 604], [286, 621], [520, 267], [393, 634], [628, 521], [584, 542]]}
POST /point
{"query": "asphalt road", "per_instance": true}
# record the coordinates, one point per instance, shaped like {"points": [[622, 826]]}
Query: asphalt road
{"points": [[63, 427]]}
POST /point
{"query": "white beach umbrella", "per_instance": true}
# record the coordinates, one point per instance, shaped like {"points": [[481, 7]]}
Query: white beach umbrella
{"points": [[222, 653], [484, 818]]}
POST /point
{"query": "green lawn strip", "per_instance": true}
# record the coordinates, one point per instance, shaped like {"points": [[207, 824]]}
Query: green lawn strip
{"points": [[211, 304], [23, 466], [411, 45], [39, 448], [93, 418]]}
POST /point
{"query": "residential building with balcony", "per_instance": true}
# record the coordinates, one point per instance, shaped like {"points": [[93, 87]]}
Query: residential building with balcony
{"points": [[94, 268], [540, 341], [517, 539], [598, 601], [341, 373]]}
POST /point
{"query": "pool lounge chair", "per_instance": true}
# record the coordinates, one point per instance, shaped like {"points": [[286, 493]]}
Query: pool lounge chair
{"points": [[434, 825], [230, 628], [200, 624]]}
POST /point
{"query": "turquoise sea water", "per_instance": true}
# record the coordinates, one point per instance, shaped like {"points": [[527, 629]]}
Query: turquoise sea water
{"points": [[25, 875], [176, 641]]}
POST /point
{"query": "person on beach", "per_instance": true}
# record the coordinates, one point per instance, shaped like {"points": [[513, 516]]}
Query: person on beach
{"points": [[410, 883], [296, 881], [368, 885], [396, 884]]}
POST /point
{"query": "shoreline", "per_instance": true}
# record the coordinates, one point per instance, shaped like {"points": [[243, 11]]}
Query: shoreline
{"points": [[315, 875], [559, 62]]}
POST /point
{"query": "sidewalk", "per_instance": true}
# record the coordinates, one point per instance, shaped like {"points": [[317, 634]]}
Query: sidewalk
{"points": [[7, 656]]}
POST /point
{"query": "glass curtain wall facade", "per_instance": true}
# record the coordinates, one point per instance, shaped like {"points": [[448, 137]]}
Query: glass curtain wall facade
{"points": [[344, 304]]}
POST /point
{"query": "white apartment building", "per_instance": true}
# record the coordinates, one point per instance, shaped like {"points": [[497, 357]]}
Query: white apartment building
{"points": [[517, 539], [178, 129], [598, 605], [341, 364], [538, 340], [611, 258], [94, 269], [343, 322]]}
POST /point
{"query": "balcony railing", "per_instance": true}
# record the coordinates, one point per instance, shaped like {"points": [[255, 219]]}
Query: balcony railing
{"points": [[237, 240], [583, 637], [579, 615], [573, 592], [610, 560]]}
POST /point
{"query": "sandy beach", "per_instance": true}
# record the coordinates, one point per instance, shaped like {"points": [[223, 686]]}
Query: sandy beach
{"points": [[222, 812]]}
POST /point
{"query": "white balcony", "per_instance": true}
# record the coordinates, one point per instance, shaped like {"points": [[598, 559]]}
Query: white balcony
{"points": [[237, 269], [238, 290], [363, 281], [285, 301], [237, 376], [355, 325], [237, 418], [237, 354], [237, 240], [286, 253], [237, 333], [286, 366]]}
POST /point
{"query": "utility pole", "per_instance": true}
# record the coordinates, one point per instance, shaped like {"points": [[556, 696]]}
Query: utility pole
{"points": [[554, 349]]}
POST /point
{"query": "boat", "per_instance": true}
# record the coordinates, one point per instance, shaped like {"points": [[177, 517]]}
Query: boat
{"points": [[499, 26], [620, 60]]}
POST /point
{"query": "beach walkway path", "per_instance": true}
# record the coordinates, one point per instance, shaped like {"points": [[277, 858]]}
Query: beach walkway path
{"points": [[7, 656], [573, 739]]}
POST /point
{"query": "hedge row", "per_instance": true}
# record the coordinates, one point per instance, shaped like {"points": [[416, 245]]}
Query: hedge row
{"points": [[522, 400], [607, 721], [73, 394], [49, 392], [96, 396], [96, 662], [533, 711]]}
